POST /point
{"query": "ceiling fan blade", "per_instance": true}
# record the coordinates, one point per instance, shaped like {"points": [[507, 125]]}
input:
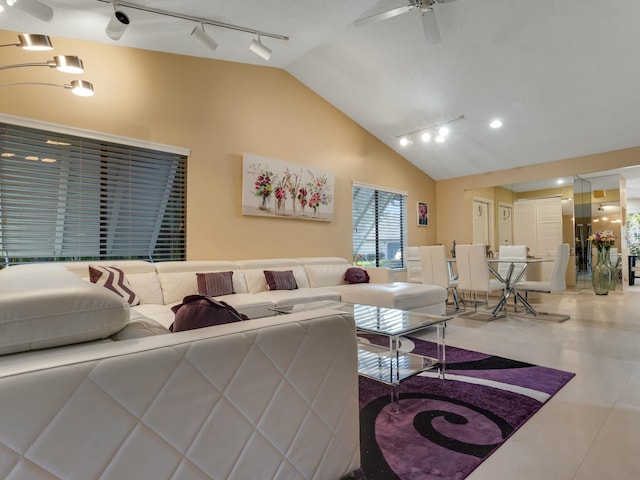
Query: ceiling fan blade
{"points": [[430, 26], [384, 15]]}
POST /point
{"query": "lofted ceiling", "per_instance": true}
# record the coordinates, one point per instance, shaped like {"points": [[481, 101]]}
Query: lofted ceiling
{"points": [[561, 75]]}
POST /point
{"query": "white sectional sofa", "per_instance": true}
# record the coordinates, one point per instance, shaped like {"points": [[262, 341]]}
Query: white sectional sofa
{"points": [[268, 398], [164, 284], [93, 388]]}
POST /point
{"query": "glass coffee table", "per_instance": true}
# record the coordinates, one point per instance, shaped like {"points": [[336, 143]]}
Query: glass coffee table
{"points": [[385, 361]]}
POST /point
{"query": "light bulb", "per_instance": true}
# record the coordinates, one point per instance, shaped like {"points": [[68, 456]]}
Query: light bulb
{"points": [[495, 124]]}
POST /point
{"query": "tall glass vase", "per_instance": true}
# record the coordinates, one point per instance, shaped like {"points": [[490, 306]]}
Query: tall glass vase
{"points": [[601, 277]]}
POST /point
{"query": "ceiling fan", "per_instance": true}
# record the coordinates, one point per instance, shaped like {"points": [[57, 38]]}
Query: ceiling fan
{"points": [[425, 7]]}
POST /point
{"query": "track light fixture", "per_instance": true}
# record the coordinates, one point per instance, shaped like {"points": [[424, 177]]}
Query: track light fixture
{"points": [[30, 41], [439, 132], [260, 49], [117, 25], [35, 8], [82, 88], [199, 33], [203, 38], [63, 63]]}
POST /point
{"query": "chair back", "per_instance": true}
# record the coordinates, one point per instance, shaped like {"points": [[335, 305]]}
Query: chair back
{"points": [[414, 268], [512, 252], [557, 281], [435, 271], [473, 273]]}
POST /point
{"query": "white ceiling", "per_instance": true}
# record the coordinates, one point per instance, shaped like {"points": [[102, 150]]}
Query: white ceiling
{"points": [[562, 75]]}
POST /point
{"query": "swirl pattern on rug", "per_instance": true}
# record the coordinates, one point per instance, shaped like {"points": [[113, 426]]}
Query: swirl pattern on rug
{"points": [[446, 428]]}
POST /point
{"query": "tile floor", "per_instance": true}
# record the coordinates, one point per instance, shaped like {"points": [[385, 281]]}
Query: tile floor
{"points": [[591, 429]]}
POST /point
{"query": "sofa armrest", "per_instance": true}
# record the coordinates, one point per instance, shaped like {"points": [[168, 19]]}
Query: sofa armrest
{"points": [[380, 275], [233, 401]]}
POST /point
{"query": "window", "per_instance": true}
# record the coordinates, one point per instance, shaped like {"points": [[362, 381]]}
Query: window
{"points": [[67, 197], [379, 226]]}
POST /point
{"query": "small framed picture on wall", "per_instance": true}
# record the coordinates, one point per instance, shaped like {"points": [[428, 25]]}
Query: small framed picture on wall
{"points": [[423, 214]]}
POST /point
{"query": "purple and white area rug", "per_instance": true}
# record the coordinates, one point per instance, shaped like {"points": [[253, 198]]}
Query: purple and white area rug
{"points": [[446, 428]]}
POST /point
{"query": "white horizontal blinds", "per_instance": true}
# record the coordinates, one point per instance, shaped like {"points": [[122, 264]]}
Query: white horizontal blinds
{"points": [[379, 226], [67, 197]]}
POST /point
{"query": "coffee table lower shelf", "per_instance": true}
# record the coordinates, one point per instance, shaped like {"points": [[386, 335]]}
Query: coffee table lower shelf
{"points": [[382, 365]]}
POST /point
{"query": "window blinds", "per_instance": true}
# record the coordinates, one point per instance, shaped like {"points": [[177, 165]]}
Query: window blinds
{"points": [[379, 226], [65, 197]]}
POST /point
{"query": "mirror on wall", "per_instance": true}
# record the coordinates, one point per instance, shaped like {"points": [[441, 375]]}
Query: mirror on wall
{"points": [[582, 246]]}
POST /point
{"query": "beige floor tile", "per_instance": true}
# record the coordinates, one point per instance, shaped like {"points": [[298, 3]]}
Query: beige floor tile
{"points": [[591, 428]]}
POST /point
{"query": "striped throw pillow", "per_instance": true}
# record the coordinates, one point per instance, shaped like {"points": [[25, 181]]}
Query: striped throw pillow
{"points": [[115, 280], [280, 280], [215, 284]]}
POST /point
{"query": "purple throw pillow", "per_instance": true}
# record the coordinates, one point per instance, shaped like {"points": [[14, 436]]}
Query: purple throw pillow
{"points": [[277, 280], [215, 284], [199, 311], [356, 275]]}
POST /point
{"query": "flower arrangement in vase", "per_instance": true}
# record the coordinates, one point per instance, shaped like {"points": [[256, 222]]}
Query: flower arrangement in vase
{"points": [[283, 186], [263, 186], [602, 273], [302, 198], [317, 188]]}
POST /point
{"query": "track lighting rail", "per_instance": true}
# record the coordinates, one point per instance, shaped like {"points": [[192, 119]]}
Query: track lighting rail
{"points": [[204, 21]]}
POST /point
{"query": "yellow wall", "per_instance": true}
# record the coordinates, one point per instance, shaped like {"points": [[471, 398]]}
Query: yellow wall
{"points": [[219, 110]]}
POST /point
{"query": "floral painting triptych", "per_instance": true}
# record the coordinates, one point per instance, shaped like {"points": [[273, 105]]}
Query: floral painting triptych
{"points": [[275, 188]]}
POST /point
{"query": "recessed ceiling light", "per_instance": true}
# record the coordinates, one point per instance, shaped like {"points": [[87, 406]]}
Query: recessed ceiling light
{"points": [[426, 137], [31, 157], [48, 160], [55, 142], [404, 141], [560, 181], [440, 138], [495, 124], [8, 154], [443, 131]]}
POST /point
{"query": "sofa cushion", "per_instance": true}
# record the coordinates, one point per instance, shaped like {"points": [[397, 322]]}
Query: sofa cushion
{"points": [[114, 279], [146, 285], [139, 326], [177, 285], [401, 295], [280, 280], [160, 313], [256, 281], [215, 284], [326, 275], [282, 298], [66, 309]]}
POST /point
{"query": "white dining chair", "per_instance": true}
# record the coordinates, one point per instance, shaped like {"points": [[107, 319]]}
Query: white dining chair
{"points": [[435, 270], [414, 267], [512, 252], [556, 282], [473, 273]]}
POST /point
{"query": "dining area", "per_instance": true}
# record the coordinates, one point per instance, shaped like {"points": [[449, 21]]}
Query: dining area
{"points": [[473, 278]]}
